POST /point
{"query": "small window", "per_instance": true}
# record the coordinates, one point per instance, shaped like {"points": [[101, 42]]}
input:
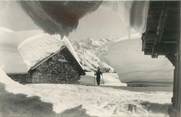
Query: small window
{"points": [[63, 60]]}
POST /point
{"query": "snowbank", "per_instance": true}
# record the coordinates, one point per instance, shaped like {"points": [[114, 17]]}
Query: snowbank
{"points": [[97, 101], [14, 87], [102, 101]]}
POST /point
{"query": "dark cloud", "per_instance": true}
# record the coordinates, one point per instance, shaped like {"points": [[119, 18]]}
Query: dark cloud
{"points": [[58, 16]]}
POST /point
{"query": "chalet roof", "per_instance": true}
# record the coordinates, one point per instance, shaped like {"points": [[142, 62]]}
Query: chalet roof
{"points": [[46, 58], [38, 49]]}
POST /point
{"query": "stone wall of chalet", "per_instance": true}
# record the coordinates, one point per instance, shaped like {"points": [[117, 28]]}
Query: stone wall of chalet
{"points": [[21, 78], [55, 70]]}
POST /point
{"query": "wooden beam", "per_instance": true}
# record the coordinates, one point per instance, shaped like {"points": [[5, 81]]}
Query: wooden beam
{"points": [[161, 23], [177, 81], [159, 31]]}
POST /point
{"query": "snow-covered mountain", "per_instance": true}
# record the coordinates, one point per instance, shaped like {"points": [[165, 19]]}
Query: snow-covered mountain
{"points": [[132, 65], [86, 51], [125, 56]]}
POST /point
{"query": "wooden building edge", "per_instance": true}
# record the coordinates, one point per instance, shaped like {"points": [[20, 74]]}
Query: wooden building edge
{"points": [[162, 37]]}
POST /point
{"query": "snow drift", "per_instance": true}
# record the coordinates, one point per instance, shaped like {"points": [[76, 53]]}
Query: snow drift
{"points": [[95, 101]]}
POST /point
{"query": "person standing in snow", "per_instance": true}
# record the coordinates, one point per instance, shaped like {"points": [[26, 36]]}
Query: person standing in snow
{"points": [[98, 74]]}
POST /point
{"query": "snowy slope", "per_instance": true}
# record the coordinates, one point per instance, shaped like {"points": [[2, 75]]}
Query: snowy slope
{"points": [[86, 51], [132, 65], [95, 101]]}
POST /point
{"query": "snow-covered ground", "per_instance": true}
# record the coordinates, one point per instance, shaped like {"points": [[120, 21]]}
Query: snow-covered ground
{"points": [[107, 79], [70, 100]]}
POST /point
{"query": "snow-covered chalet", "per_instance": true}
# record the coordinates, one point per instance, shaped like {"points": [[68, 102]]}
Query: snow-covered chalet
{"points": [[50, 60]]}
